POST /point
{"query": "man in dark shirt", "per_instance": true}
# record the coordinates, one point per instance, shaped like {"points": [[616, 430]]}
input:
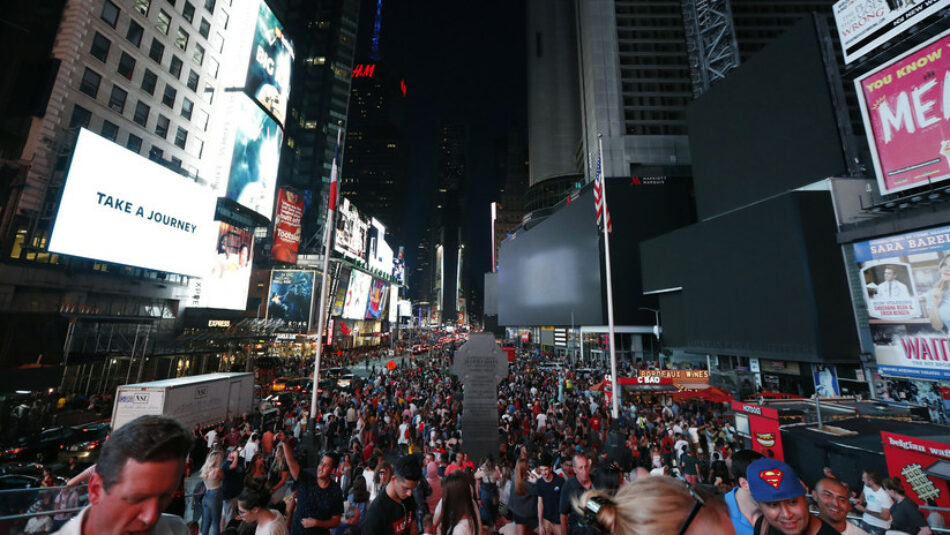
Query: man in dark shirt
{"points": [[393, 511], [574, 487], [781, 497], [549, 490], [319, 499], [232, 485], [905, 516]]}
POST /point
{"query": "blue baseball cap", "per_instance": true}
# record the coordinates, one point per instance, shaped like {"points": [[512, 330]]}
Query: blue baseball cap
{"points": [[771, 480]]}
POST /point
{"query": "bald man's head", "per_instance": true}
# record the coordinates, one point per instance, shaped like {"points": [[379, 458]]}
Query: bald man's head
{"points": [[832, 497]]}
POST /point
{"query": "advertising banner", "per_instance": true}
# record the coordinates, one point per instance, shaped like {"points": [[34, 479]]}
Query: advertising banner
{"points": [[763, 428], [906, 282], [826, 380], [254, 158], [225, 283], [357, 293], [268, 73], [290, 298], [290, 206], [909, 458], [120, 207], [864, 25], [351, 232], [339, 296], [905, 104], [377, 296], [380, 253], [393, 304]]}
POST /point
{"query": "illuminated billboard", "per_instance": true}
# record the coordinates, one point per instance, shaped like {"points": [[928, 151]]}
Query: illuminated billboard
{"points": [[120, 207], [290, 207], [380, 253], [906, 286], [268, 72], [254, 157], [357, 293], [351, 232], [290, 298], [393, 304], [377, 300], [339, 296], [864, 25], [225, 281], [905, 104]]}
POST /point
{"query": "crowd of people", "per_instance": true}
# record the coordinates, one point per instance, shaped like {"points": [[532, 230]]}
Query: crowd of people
{"points": [[393, 460]]}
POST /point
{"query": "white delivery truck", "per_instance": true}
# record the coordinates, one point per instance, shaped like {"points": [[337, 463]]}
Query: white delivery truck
{"points": [[197, 400]]}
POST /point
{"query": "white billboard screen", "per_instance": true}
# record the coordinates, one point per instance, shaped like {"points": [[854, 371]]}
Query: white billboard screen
{"points": [[864, 25], [357, 294], [227, 272], [120, 207]]}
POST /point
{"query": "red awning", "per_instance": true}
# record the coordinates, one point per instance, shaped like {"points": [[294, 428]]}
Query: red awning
{"points": [[713, 393]]}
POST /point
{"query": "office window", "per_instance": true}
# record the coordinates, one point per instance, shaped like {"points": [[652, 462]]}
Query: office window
{"points": [[134, 35], [193, 81], [156, 153], [217, 42], [227, 19], [149, 80], [163, 22], [181, 40], [142, 6], [90, 82], [172, 2], [204, 28], [176, 162], [157, 50], [181, 137], [109, 130], [110, 13], [199, 54], [134, 143], [100, 47], [213, 66], [126, 65], [188, 11], [187, 107], [209, 5], [201, 119], [81, 117], [208, 94], [175, 67], [117, 99], [168, 98], [141, 113], [161, 126]]}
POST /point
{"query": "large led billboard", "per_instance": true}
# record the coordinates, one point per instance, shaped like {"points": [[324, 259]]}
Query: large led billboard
{"points": [[393, 304], [380, 253], [342, 287], [906, 286], [287, 224], [864, 25], [905, 104], [268, 72], [351, 232], [225, 281], [377, 300], [357, 293], [254, 157], [120, 207], [290, 298]]}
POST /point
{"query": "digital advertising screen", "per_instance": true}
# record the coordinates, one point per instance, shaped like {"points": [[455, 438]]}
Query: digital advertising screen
{"points": [[268, 72], [904, 104], [254, 157], [393, 304], [351, 232], [132, 211], [377, 298], [380, 253], [864, 25], [906, 286], [290, 298], [287, 225], [229, 261], [339, 296], [357, 294]]}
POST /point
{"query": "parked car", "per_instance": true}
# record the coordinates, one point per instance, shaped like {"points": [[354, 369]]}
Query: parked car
{"points": [[42, 447], [18, 502], [336, 379], [87, 439]]}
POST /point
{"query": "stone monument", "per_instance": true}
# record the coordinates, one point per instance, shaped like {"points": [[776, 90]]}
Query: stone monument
{"points": [[480, 364]]}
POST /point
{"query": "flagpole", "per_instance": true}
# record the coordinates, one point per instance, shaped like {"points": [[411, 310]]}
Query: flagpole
{"points": [[615, 383], [321, 312]]}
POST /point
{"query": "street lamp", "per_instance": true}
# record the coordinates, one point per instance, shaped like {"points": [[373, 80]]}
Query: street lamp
{"points": [[656, 325]]}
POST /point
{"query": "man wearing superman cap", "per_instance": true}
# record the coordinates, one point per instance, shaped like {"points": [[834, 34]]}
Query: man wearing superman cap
{"points": [[781, 497]]}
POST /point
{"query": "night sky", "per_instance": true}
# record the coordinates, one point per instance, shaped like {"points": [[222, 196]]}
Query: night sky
{"points": [[464, 63]]}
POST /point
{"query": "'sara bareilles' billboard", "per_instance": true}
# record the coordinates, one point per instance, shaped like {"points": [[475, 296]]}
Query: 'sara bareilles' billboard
{"points": [[290, 298], [906, 285], [287, 221], [864, 25], [906, 109], [119, 207], [268, 74], [357, 294]]}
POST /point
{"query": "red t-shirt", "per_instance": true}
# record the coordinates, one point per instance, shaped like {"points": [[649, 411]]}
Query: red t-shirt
{"points": [[595, 423]]}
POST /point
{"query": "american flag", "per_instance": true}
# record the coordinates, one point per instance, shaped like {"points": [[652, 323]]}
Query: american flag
{"points": [[334, 171], [599, 203]]}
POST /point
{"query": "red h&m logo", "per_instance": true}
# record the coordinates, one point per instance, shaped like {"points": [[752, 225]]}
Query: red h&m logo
{"points": [[364, 70]]}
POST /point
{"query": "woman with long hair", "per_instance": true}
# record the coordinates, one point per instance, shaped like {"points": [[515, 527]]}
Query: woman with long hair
{"points": [[458, 514], [384, 472], [256, 473], [277, 475], [212, 476], [254, 508], [486, 485], [938, 298], [358, 498], [523, 499]]}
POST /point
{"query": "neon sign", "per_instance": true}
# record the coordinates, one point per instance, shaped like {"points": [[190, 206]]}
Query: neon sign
{"points": [[364, 70]]}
